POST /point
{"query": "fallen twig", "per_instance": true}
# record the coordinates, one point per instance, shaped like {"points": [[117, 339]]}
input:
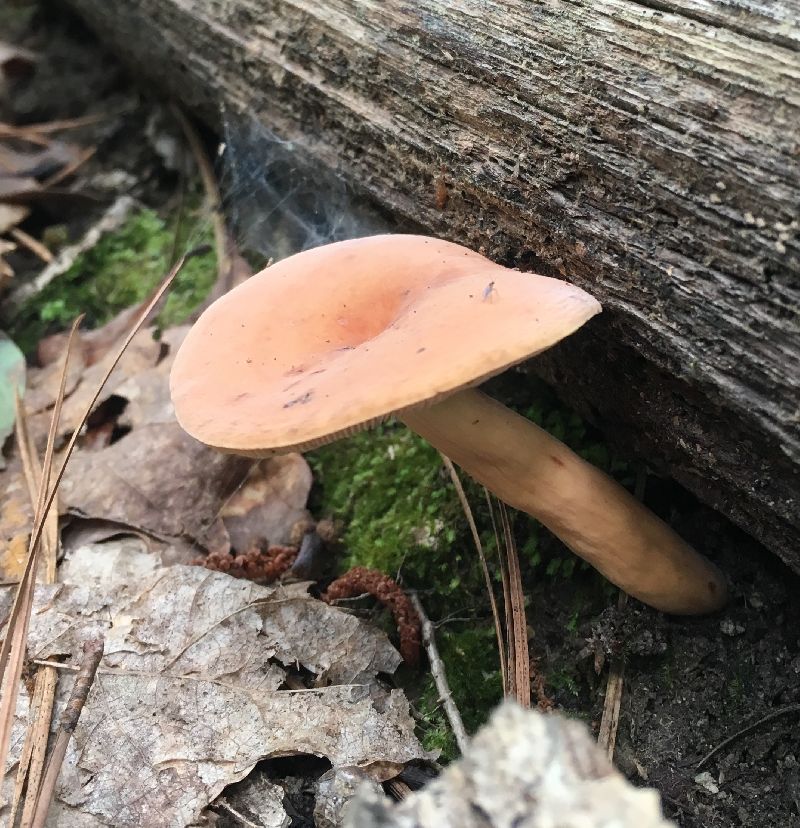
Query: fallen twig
{"points": [[792, 708], [607, 736], [440, 677], [92, 653], [111, 220], [239, 817]]}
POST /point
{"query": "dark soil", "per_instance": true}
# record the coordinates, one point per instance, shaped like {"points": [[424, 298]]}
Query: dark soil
{"points": [[728, 684], [693, 684]]}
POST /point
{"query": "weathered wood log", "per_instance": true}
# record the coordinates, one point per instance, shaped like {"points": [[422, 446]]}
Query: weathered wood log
{"points": [[650, 151]]}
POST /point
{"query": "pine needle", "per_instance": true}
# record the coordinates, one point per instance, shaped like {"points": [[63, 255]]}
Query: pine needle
{"points": [[31, 763], [518, 632], [12, 654], [498, 628], [509, 675]]}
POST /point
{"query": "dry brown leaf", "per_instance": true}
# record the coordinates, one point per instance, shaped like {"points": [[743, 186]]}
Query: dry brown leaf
{"points": [[143, 353], [16, 520], [271, 500], [43, 384], [156, 479], [189, 695], [95, 343], [147, 392]]}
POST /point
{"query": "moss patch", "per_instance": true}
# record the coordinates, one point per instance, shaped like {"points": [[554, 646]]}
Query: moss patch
{"points": [[120, 270], [399, 508]]}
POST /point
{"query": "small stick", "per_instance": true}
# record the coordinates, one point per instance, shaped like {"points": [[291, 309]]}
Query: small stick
{"points": [[607, 737], [792, 708], [439, 676], [92, 653], [399, 789]]}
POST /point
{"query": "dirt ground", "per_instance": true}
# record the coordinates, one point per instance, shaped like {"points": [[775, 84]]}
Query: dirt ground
{"points": [[711, 707], [728, 684]]}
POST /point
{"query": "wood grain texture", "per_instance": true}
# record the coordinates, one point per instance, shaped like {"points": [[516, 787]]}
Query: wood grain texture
{"points": [[650, 151]]}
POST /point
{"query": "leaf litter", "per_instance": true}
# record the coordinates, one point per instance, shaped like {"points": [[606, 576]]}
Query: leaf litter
{"points": [[191, 693]]}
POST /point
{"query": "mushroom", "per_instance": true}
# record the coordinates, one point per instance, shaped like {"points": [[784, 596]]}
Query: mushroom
{"points": [[338, 338]]}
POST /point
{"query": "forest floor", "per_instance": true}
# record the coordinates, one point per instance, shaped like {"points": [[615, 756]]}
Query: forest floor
{"points": [[710, 712]]}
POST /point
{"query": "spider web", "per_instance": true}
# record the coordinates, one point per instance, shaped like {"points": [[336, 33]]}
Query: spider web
{"points": [[278, 199]]}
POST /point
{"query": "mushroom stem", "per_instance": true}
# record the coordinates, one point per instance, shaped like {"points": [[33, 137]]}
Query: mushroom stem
{"points": [[595, 516]]}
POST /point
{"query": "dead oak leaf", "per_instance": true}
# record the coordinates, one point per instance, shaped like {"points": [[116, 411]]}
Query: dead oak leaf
{"points": [[189, 695]]}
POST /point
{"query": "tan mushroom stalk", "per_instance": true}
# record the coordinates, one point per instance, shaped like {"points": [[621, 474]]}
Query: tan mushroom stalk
{"points": [[337, 338]]}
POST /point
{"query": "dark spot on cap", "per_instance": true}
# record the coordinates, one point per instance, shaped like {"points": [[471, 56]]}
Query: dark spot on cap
{"points": [[420, 350], [556, 460], [299, 400]]}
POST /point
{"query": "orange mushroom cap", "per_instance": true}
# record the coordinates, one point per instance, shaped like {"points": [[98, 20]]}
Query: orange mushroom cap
{"points": [[337, 338]]}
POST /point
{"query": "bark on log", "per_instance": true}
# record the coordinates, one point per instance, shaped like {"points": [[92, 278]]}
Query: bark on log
{"points": [[650, 151]]}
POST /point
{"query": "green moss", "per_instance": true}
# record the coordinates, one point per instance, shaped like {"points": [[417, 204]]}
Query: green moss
{"points": [[120, 270], [400, 510]]}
